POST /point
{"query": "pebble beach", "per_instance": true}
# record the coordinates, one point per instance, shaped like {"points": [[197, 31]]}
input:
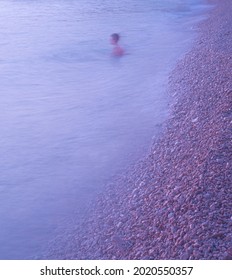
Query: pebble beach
{"points": [[176, 203]]}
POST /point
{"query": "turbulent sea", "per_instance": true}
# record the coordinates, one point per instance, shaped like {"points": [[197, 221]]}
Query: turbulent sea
{"points": [[72, 116]]}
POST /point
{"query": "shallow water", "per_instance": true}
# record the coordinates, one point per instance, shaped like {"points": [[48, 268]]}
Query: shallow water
{"points": [[71, 115]]}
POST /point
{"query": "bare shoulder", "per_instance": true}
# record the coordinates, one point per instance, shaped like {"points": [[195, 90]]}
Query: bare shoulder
{"points": [[118, 51]]}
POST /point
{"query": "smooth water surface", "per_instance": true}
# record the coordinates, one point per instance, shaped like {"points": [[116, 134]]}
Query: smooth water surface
{"points": [[71, 115]]}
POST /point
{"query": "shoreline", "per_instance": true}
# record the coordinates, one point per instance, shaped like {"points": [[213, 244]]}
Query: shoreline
{"points": [[177, 202]]}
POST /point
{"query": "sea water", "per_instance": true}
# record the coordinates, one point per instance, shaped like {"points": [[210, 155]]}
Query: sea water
{"points": [[72, 116]]}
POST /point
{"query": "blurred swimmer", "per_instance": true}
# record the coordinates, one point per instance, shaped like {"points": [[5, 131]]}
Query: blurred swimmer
{"points": [[117, 50]]}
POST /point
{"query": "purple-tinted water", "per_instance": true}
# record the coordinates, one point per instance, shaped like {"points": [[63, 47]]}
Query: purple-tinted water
{"points": [[71, 115]]}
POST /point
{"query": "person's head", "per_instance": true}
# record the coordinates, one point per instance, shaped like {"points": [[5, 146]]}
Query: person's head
{"points": [[115, 38]]}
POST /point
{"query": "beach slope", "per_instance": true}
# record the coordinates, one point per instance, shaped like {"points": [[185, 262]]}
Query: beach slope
{"points": [[177, 202]]}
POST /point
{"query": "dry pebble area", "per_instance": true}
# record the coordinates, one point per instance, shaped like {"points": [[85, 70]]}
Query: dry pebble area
{"points": [[177, 202]]}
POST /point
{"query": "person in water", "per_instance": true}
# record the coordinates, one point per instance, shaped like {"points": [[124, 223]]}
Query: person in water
{"points": [[117, 50]]}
